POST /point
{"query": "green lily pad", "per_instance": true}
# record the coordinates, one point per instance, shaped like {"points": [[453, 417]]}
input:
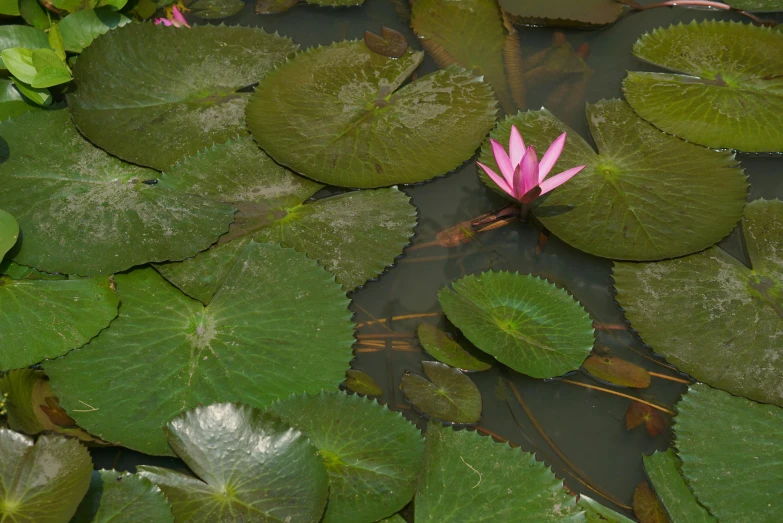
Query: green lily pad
{"points": [[215, 9], [354, 235], [12, 103], [174, 91], [466, 477], [9, 232], [450, 396], [594, 512], [42, 482], [730, 94], [727, 333], [444, 349], [469, 33], [250, 467], [663, 469], [335, 114], [567, 13], [644, 196], [278, 325], [79, 29], [21, 36], [756, 5], [84, 212], [372, 454], [22, 272], [335, 3], [362, 383], [731, 454], [119, 497], [45, 319], [524, 322]]}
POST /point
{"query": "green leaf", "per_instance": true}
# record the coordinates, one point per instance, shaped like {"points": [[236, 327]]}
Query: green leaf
{"points": [[9, 7], [450, 396], [597, 513], [174, 91], [55, 38], [41, 97], [19, 62], [9, 232], [371, 454], [34, 14], [644, 196], [335, 3], [564, 13], [362, 383], [250, 467], [355, 128], [21, 36], [278, 325], [84, 212], [756, 5], [354, 235], [727, 332], [73, 6], [45, 319], [82, 27], [469, 33], [731, 453], [730, 94], [42, 482], [466, 477], [213, 9], [50, 69], [120, 497], [12, 103], [444, 349], [663, 469], [524, 322]]}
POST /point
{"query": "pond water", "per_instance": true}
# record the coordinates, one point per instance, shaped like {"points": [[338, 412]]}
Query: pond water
{"points": [[586, 426]]}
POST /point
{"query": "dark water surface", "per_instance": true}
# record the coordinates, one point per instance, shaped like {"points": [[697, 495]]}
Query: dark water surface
{"points": [[586, 426]]}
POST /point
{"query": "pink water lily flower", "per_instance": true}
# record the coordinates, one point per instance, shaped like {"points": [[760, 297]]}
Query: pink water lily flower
{"points": [[177, 19], [524, 178]]}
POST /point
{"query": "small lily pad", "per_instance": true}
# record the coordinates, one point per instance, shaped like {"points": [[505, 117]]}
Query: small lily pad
{"points": [[249, 465], [466, 477], [728, 332], [338, 115], [216, 9], [390, 43], [372, 454], [444, 349], [524, 322], [120, 497], [270, 7], [174, 91], [567, 13], [731, 454], [647, 507], [639, 413], [449, 396], [729, 94], [663, 469], [362, 383], [617, 371], [279, 324], [9, 232], [79, 29], [42, 482]]}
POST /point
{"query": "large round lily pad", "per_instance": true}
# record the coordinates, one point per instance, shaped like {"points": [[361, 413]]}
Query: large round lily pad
{"points": [[372, 454], [589, 13], [279, 324], [466, 477], [82, 211], [119, 497], [524, 322], [47, 318], [354, 235], [644, 196], [337, 114], [250, 467], [729, 330], [663, 469], [174, 92], [731, 454], [730, 92]]}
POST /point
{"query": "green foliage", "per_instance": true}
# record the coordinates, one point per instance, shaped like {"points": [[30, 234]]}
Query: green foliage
{"points": [[579, 13], [9, 232], [21, 36], [40, 68], [448, 395], [444, 349], [663, 469], [79, 29], [120, 497], [215, 9]]}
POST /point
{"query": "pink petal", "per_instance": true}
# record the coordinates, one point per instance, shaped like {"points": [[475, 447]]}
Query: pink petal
{"points": [[516, 146], [500, 182], [528, 172], [163, 21], [501, 158], [550, 157], [178, 17], [559, 179]]}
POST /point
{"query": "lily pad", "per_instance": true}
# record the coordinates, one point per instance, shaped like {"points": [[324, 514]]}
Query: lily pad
{"points": [[279, 324], [354, 235], [9, 232], [646, 506], [250, 467], [728, 332], [644, 196], [466, 477], [596, 513], [567, 13], [45, 319], [174, 91], [362, 383], [524, 322], [337, 114], [42, 482], [639, 413], [119, 497], [450, 396], [663, 469], [84, 212], [617, 371], [21, 36], [12, 103], [216, 9], [756, 5], [731, 454], [79, 29], [372, 454], [469, 33], [730, 92], [444, 349]]}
